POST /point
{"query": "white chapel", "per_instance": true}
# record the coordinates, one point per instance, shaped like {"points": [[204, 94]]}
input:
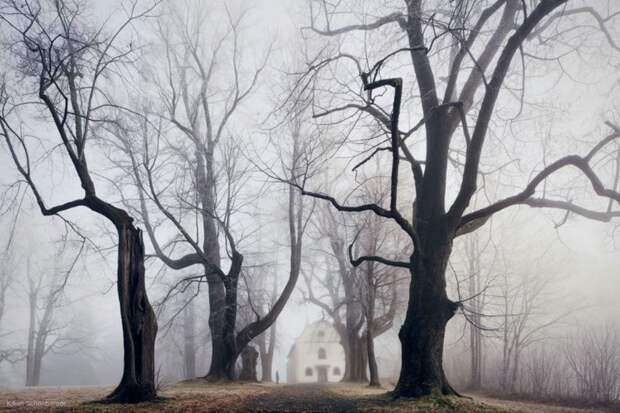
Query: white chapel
{"points": [[316, 356]]}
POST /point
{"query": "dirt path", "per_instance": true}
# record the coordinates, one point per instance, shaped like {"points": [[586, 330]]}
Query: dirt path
{"points": [[291, 398]]}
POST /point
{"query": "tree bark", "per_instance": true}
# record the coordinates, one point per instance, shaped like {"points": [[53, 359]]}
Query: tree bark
{"points": [[231, 348], [138, 320], [217, 303], [355, 362], [422, 333], [355, 357]]}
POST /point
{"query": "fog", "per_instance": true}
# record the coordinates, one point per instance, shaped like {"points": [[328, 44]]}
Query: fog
{"points": [[247, 169]]}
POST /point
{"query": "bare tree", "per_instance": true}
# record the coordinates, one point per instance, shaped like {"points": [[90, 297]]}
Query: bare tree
{"points": [[46, 292], [352, 297], [7, 270], [594, 359], [379, 293], [337, 294], [480, 257], [61, 65], [181, 337], [490, 34]]}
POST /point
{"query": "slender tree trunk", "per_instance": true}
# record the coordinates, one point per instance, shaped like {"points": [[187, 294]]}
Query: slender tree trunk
{"points": [[422, 333], [372, 362], [370, 342], [505, 348], [515, 370], [189, 348], [138, 320], [475, 380], [475, 335], [32, 301], [266, 353], [267, 366]]}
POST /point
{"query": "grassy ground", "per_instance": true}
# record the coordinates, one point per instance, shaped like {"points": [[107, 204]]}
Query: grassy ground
{"points": [[199, 396]]}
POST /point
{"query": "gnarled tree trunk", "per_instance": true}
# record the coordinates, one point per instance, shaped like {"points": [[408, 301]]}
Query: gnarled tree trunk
{"points": [[231, 346], [422, 333], [217, 304], [137, 318]]}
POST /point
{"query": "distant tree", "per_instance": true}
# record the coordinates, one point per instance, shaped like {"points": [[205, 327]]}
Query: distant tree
{"points": [[480, 258], [46, 293], [594, 359], [54, 77], [355, 298], [8, 267], [266, 342], [378, 296], [337, 294], [189, 341]]}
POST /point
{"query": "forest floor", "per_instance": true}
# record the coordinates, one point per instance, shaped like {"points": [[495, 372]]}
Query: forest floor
{"points": [[198, 396]]}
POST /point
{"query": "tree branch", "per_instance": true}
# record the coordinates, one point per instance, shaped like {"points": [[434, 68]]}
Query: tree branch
{"points": [[475, 219]]}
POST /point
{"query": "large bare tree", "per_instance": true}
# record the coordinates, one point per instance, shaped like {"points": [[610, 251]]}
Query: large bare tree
{"points": [[465, 48], [57, 68]]}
